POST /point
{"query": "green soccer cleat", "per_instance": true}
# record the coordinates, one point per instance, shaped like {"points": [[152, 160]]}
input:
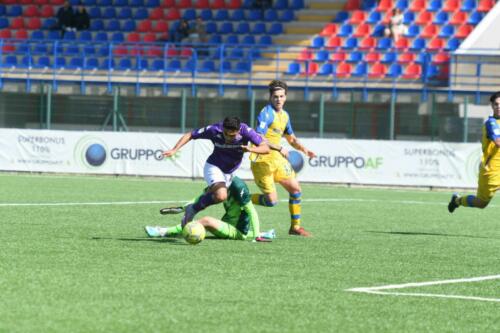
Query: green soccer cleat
{"points": [[453, 203], [155, 231], [171, 210]]}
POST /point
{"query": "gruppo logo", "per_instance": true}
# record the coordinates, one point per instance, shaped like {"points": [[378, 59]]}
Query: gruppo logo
{"points": [[296, 160], [90, 152]]}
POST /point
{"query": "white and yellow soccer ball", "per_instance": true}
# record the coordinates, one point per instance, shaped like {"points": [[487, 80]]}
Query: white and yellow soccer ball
{"points": [[193, 232]]}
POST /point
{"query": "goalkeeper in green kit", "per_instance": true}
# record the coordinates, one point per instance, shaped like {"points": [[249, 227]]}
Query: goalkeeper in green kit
{"points": [[240, 221]]}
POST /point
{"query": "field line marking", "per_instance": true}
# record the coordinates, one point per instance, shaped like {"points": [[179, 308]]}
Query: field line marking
{"points": [[104, 203], [381, 290]]}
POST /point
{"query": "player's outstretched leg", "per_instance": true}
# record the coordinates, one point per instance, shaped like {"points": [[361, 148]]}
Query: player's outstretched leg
{"points": [[294, 206], [452, 205]]}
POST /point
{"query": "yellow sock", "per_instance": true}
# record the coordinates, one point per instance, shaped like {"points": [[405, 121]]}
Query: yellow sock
{"points": [[295, 209]]}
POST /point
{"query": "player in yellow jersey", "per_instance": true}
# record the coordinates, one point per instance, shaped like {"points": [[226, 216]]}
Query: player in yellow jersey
{"points": [[489, 171], [273, 122]]}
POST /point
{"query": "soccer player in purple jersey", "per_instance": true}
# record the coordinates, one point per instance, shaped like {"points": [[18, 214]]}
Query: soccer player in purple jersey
{"points": [[231, 140]]}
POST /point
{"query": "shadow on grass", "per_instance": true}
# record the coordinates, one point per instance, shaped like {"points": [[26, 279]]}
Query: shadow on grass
{"points": [[173, 241], [417, 233]]}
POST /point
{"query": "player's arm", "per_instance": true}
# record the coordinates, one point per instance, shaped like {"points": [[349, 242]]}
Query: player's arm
{"points": [[182, 141], [493, 131], [294, 142], [262, 148]]}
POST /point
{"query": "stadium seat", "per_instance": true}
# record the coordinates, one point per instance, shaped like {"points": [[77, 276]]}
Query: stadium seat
{"points": [[88, 49], [184, 4], [406, 57], [31, 11], [430, 31], [54, 35], [201, 4], [287, 15], [305, 55], [468, 6], [173, 14], [357, 17], [401, 44], [124, 64], [248, 40], [447, 31], [14, 10], [389, 57], [342, 70], [377, 70], [418, 6], [189, 14], [75, 63], [395, 71], [412, 71], [33, 23], [243, 28], [451, 6], [418, 44], [233, 39], [221, 15], [367, 43], [434, 5], [350, 43], [378, 31], [10, 61], [217, 4], [341, 17], [296, 4], [117, 37], [133, 37], [412, 31], [128, 25], [384, 43], [167, 3], [124, 13], [424, 18], [355, 57], [293, 68], [174, 65], [254, 15], [325, 69], [360, 70], [159, 65], [458, 18], [329, 29], [436, 44], [362, 30], [4, 22], [40, 48], [152, 3], [145, 26], [384, 6], [475, 18], [37, 35], [157, 14], [206, 15], [373, 18], [101, 37], [338, 57], [259, 28], [43, 62], [27, 61], [17, 23], [463, 31], [226, 28], [149, 38], [60, 62], [318, 42], [334, 42], [372, 57], [270, 15], [485, 6], [441, 58], [441, 18], [113, 25], [322, 55], [237, 15]]}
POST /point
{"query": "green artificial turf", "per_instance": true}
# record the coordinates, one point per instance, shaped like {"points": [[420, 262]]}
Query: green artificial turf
{"points": [[79, 267]]}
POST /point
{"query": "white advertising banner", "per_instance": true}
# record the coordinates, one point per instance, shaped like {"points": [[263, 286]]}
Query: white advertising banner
{"points": [[404, 163]]}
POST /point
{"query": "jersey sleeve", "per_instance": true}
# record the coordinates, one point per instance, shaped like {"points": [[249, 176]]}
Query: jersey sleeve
{"points": [[206, 132], [288, 127], [492, 129], [264, 119], [253, 137]]}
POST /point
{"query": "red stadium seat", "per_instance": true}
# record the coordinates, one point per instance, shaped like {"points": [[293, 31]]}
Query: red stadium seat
{"points": [[352, 4], [154, 51], [34, 23], [377, 70], [368, 43], [47, 11], [424, 18], [144, 26], [31, 11], [362, 30], [233, 4], [406, 58], [441, 58], [17, 23], [464, 30], [305, 55], [430, 31], [172, 52], [157, 14], [5, 34], [485, 5], [338, 57], [217, 4], [384, 6], [372, 57], [173, 14], [311, 68], [201, 4], [334, 42], [357, 17], [451, 6], [412, 71], [57, 2], [343, 70], [133, 37], [402, 44], [436, 44], [25, 2], [418, 5], [459, 18], [184, 4], [329, 30], [21, 34], [167, 3], [120, 50], [149, 38], [161, 26], [41, 2]]}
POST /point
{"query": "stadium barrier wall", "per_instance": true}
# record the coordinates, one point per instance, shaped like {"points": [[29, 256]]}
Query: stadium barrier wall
{"points": [[398, 163]]}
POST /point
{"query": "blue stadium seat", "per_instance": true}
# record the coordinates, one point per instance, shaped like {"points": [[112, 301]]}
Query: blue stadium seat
{"points": [[124, 64], [94, 13], [242, 67], [276, 28], [355, 57], [236, 53], [402, 4], [296, 4], [368, 5], [248, 40], [259, 28], [265, 40], [447, 31], [69, 35], [280, 4], [435, 5], [3, 10], [91, 63], [232, 39], [408, 18], [452, 44], [85, 36], [4, 22], [293, 68], [243, 28], [378, 30], [106, 64], [152, 3], [211, 28], [350, 43], [97, 25], [14, 10], [254, 53], [345, 30], [441, 18], [75, 63], [136, 3], [475, 18], [322, 55], [117, 37], [270, 15], [27, 61], [384, 43], [341, 17], [54, 34], [221, 15], [10, 61], [101, 37], [88, 2], [39, 48], [255, 15], [89, 49], [206, 15], [72, 49], [237, 15], [113, 25], [174, 65], [361, 70], [158, 65], [215, 39], [225, 66], [413, 31], [389, 57], [326, 69], [141, 14], [395, 70], [287, 15], [37, 35], [226, 28], [109, 13], [129, 26], [124, 13], [60, 62], [468, 6], [207, 66], [418, 44], [43, 62], [189, 14], [374, 17], [105, 3], [48, 23], [121, 3], [318, 42]]}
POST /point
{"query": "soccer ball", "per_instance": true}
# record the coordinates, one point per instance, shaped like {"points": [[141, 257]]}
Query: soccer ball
{"points": [[193, 232]]}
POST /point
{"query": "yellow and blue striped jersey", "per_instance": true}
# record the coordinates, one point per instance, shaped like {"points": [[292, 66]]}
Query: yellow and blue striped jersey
{"points": [[272, 125], [490, 160]]}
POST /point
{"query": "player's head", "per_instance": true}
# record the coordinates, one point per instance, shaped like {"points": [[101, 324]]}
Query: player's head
{"points": [[495, 104], [231, 128], [277, 94]]}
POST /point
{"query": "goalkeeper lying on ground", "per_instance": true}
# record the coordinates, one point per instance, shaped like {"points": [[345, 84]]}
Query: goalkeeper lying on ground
{"points": [[239, 222]]}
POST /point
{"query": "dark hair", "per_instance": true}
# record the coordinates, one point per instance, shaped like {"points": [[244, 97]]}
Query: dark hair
{"points": [[231, 123], [276, 85], [494, 96]]}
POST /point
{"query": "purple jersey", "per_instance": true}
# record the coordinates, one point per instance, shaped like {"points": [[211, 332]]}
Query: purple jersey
{"points": [[227, 156]]}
